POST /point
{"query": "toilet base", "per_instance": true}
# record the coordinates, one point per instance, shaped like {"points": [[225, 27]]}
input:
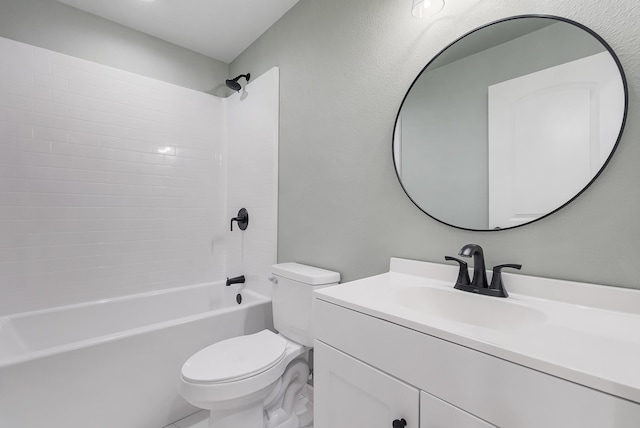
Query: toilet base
{"points": [[291, 405], [302, 416], [280, 407]]}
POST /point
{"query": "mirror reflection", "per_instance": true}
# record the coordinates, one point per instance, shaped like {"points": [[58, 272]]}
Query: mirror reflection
{"points": [[509, 123]]}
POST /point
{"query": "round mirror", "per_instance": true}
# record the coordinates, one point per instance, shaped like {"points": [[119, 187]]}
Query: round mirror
{"points": [[510, 123]]}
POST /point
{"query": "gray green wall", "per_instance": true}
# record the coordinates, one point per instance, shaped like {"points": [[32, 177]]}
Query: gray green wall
{"points": [[56, 26], [344, 69]]}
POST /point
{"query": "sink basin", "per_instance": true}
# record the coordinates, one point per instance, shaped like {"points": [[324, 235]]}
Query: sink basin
{"points": [[461, 306]]}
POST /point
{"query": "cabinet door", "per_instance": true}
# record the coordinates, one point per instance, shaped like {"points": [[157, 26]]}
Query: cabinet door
{"points": [[351, 394], [435, 413]]}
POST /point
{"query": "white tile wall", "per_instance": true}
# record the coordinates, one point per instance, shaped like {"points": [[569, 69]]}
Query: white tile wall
{"points": [[110, 183], [252, 163]]}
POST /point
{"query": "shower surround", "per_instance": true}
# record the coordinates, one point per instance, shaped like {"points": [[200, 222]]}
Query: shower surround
{"points": [[112, 183]]}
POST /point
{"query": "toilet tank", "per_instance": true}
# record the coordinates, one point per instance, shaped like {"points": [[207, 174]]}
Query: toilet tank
{"points": [[292, 298]]}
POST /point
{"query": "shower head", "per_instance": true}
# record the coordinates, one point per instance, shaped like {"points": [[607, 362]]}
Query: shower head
{"points": [[233, 83]]}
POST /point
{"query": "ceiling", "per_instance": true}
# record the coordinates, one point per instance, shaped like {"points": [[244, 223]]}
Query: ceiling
{"points": [[219, 29]]}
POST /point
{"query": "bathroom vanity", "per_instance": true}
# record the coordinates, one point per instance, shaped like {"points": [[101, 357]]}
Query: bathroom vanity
{"points": [[406, 349]]}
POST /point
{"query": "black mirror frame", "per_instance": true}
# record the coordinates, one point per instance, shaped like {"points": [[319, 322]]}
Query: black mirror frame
{"points": [[604, 165]]}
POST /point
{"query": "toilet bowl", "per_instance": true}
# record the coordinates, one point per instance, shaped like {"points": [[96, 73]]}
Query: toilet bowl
{"points": [[241, 375], [253, 381]]}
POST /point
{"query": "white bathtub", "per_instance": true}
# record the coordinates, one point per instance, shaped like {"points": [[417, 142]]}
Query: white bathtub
{"points": [[115, 363]]}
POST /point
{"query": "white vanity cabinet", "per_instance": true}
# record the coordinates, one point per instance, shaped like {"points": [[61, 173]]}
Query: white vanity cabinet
{"points": [[435, 413], [370, 371], [349, 394]]}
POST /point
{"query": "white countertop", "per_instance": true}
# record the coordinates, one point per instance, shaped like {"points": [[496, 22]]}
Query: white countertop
{"points": [[583, 333]]}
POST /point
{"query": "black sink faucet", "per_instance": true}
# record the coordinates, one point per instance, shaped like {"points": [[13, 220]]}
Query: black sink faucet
{"points": [[479, 283], [479, 270]]}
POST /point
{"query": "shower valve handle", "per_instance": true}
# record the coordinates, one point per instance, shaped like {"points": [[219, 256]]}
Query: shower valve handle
{"points": [[242, 219]]}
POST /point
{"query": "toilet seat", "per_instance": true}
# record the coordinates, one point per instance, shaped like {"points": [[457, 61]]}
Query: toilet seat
{"points": [[207, 387], [235, 359]]}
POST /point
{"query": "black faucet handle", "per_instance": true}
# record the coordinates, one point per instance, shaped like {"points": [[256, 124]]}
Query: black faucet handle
{"points": [[496, 280], [242, 219], [507, 265], [463, 273]]}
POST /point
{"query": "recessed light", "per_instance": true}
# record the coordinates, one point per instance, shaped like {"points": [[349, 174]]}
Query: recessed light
{"points": [[423, 8]]}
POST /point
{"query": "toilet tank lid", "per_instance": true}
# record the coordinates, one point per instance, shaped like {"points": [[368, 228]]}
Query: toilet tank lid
{"points": [[306, 274]]}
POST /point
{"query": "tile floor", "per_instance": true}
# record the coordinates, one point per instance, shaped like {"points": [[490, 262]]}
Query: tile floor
{"points": [[200, 419], [197, 420]]}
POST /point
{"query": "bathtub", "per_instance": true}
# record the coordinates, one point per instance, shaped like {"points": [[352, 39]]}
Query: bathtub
{"points": [[115, 363]]}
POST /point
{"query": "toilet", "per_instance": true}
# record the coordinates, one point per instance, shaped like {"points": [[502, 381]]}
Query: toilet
{"points": [[254, 381]]}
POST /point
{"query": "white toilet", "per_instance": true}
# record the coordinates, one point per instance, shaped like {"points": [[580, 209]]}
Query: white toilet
{"points": [[253, 381]]}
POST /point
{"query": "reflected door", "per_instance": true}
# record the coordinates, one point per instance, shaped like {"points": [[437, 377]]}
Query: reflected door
{"points": [[552, 129]]}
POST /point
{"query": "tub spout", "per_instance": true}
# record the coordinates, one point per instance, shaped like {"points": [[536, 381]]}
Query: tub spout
{"points": [[235, 280]]}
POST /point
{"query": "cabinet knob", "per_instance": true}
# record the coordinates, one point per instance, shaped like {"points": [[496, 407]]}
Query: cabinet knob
{"points": [[399, 423]]}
